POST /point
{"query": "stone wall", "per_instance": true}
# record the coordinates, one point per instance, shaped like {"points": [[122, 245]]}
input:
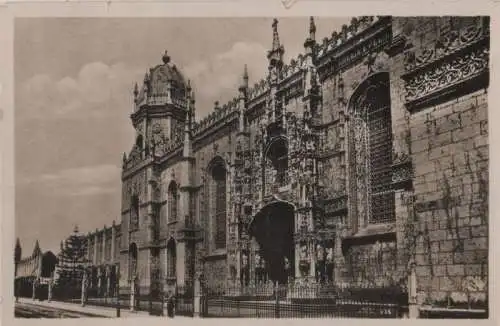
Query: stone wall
{"points": [[450, 156]]}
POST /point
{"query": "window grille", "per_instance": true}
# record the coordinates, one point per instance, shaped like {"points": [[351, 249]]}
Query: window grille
{"points": [[218, 198], [370, 156], [172, 202]]}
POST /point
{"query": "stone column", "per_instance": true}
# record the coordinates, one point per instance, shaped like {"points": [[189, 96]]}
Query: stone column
{"points": [[412, 293], [132, 294], [33, 295], [99, 280], [251, 261], [113, 240], [94, 259], [180, 263], [312, 259], [49, 295], [103, 249], [88, 246], [83, 294], [196, 298]]}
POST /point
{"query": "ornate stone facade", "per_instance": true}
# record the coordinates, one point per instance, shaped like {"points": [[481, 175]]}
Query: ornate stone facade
{"points": [[369, 152]]}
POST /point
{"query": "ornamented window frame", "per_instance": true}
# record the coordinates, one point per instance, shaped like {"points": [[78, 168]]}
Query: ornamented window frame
{"points": [[172, 202], [362, 149], [218, 202]]}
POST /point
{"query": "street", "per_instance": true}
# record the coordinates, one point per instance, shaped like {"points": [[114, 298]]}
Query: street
{"points": [[27, 310]]}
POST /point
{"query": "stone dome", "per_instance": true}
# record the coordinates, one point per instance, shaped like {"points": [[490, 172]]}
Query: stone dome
{"points": [[161, 82]]}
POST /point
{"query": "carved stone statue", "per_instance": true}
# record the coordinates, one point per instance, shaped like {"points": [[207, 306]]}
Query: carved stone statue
{"points": [[329, 255], [303, 252]]}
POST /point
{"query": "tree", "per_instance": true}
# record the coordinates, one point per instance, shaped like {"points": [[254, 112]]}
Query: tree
{"points": [[72, 259]]}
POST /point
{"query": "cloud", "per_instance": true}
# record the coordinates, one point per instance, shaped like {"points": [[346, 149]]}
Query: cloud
{"points": [[217, 78], [97, 89], [82, 181]]}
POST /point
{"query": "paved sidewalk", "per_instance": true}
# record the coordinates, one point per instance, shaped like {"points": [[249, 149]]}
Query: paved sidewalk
{"points": [[106, 312]]}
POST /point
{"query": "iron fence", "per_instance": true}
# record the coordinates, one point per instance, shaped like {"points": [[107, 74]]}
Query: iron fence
{"points": [[304, 302]]}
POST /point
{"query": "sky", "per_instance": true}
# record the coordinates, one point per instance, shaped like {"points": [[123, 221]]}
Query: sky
{"points": [[73, 99]]}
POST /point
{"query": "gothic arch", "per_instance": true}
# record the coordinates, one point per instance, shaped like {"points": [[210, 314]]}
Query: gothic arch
{"points": [[369, 151], [217, 172], [172, 201]]}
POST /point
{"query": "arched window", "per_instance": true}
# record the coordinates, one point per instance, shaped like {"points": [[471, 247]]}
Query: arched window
{"points": [[172, 202], [277, 153], [132, 252], [370, 153], [219, 203], [134, 212], [171, 259]]}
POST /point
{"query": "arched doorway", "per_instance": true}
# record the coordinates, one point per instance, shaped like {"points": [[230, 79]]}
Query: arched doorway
{"points": [[273, 229]]}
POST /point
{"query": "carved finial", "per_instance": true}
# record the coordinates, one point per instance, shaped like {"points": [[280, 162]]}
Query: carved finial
{"points": [[276, 37], [245, 75], [312, 28], [244, 84], [166, 57], [124, 157], [216, 105], [136, 90], [113, 223], [146, 78], [188, 87], [75, 229]]}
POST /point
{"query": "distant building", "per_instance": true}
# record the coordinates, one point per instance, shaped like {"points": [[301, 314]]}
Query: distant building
{"points": [[362, 157], [37, 268]]}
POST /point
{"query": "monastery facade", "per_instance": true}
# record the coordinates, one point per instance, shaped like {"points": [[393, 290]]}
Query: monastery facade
{"points": [[364, 158]]}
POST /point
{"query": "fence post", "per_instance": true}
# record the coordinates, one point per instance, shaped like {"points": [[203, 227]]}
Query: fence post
{"points": [[82, 299], [33, 294], [49, 294], [132, 295], [277, 300], [413, 312], [196, 298]]}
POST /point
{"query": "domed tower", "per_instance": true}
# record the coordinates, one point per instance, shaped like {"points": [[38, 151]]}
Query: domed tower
{"points": [[159, 109]]}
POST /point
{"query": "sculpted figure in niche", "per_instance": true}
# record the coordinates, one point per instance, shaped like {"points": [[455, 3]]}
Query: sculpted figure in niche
{"points": [[303, 252]]}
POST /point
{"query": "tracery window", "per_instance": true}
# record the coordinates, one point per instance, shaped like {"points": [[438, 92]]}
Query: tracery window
{"points": [[370, 153], [172, 202], [219, 203], [134, 212]]}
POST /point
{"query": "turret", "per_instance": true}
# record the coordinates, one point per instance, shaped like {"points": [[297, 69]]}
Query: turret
{"points": [[242, 100]]}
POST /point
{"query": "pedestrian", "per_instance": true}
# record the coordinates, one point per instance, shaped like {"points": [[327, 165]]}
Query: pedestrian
{"points": [[170, 304]]}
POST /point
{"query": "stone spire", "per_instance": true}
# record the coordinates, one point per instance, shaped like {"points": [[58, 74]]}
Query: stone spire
{"points": [[188, 123], [312, 28], [166, 57], [275, 56], [37, 249], [311, 40], [242, 100], [244, 84], [17, 251]]}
